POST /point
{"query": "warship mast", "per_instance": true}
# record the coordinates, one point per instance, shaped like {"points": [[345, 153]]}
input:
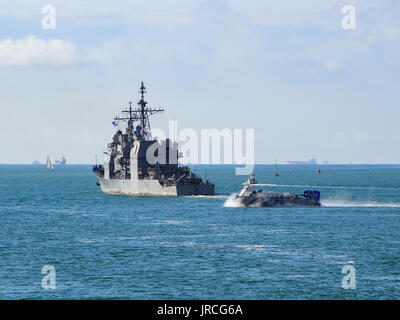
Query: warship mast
{"points": [[142, 105], [140, 115]]}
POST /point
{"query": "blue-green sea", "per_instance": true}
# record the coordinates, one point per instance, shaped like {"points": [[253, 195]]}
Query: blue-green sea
{"points": [[122, 247]]}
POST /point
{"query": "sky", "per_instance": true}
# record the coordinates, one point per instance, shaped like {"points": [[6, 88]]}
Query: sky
{"points": [[287, 69]]}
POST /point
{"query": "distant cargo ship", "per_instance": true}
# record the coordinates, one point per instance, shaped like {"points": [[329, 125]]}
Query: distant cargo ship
{"points": [[311, 161], [61, 161]]}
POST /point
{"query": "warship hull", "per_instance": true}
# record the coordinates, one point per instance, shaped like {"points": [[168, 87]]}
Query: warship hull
{"points": [[153, 188]]}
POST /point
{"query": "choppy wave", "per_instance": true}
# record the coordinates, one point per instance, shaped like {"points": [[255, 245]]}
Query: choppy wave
{"points": [[175, 222], [124, 238], [218, 196], [67, 211], [90, 240], [251, 246]]}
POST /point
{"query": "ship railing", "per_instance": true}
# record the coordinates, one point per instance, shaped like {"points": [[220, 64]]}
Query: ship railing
{"points": [[180, 179]]}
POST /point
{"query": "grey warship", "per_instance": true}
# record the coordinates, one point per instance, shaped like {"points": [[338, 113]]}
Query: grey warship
{"points": [[129, 170]]}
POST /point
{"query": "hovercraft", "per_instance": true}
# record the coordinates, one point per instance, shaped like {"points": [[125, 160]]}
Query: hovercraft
{"points": [[249, 197]]}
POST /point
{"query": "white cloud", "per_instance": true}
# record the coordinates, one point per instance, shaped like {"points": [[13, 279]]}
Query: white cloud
{"points": [[34, 51]]}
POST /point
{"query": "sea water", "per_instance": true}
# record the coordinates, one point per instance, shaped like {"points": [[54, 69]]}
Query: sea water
{"points": [[124, 247]]}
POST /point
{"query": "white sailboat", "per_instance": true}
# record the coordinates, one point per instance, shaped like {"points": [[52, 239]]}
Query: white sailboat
{"points": [[49, 165]]}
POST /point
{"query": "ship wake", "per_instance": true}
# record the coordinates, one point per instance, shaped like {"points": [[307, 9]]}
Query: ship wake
{"points": [[349, 203], [233, 202], [217, 196]]}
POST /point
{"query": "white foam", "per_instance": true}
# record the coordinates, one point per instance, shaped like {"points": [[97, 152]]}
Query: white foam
{"points": [[349, 203], [175, 222], [67, 211], [209, 197], [273, 260], [344, 262], [232, 202], [90, 240], [251, 246]]}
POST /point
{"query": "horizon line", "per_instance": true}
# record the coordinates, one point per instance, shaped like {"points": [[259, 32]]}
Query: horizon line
{"points": [[225, 164]]}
